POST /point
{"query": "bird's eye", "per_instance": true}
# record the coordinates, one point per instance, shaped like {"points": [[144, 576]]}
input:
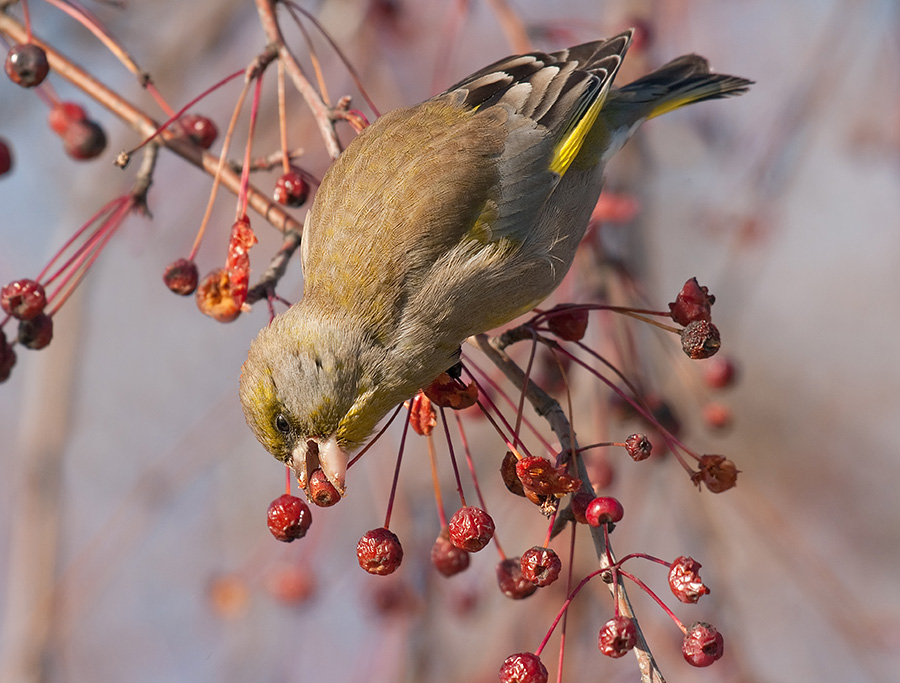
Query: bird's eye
{"points": [[282, 424]]}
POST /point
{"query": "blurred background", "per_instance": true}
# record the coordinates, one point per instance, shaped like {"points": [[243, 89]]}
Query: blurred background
{"points": [[133, 544]]}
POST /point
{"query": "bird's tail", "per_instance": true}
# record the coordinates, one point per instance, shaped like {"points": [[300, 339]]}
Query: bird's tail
{"points": [[682, 81]]}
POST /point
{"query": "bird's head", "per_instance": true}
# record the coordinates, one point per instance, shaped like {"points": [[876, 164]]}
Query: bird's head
{"points": [[306, 391]]}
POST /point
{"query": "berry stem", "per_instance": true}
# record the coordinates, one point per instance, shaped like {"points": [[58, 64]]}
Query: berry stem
{"points": [[653, 595], [245, 171], [390, 506], [520, 409], [459, 486], [565, 607], [438, 498], [373, 440], [287, 480], [282, 122]]}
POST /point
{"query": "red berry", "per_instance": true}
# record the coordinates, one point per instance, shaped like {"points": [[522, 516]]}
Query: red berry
{"points": [[540, 477], [84, 140], [540, 566], [524, 667], [201, 130], [7, 357], [717, 472], [717, 416], [23, 299], [692, 303], [6, 160], [719, 372], [27, 65], [63, 114], [321, 491], [289, 518], [638, 447], [604, 510], [510, 476], [617, 637], [379, 552], [471, 529], [422, 417], [448, 392], [700, 339], [35, 333], [215, 296], [685, 581], [509, 577], [580, 501], [568, 321], [181, 276], [446, 557], [702, 644], [291, 189]]}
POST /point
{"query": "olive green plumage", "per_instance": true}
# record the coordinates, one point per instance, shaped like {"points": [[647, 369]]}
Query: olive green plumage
{"points": [[438, 222]]}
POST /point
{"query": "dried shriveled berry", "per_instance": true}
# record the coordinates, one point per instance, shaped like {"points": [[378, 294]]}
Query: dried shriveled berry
{"points": [[449, 392], [215, 297], [617, 637], [523, 667], [716, 472], [692, 303], [27, 65], [7, 357], [446, 557], [379, 551], [291, 189], [63, 114], [604, 510], [289, 518], [508, 473], [471, 529], [720, 372], [539, 476], [321, 491], [685, 581], [201, 130], [422, 417], [580, 501], [23, 299], [6, 158], [638, 447], [35, 333], [702, 644], [568, 321], [541, 566], [84, 140], [509, 577], [181, 276], [700, 339]]}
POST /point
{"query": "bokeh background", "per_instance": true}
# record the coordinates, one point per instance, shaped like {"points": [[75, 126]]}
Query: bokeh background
{"points": [[133, 545]]}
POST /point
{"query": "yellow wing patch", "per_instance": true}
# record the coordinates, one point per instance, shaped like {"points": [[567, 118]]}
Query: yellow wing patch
{"points": [[570, 145]]}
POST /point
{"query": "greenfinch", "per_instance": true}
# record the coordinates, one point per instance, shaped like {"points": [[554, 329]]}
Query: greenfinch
{"points": [[441, 221]]}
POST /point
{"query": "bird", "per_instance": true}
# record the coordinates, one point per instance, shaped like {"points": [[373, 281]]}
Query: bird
{"points": [[438, 222]]}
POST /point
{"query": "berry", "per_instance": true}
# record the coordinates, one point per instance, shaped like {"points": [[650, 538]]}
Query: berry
{"points": [[702, 644], [321, 491], [379, 552], [719, 372], [685, 581], [570, 324], [422, 417], [6, 160], [291, 189], [692, 303], [27, 65], [540, 566], [717, 416], [617, 637], [471, 529], [604, 510], [181, 276], [509, 577], [201, 130], [448, 392], [215, 297], [7, 357], [580, 501], [638, 447], [289, 518], [717, 472], [84, 140], [700, 339], [523, 668], [35, 333], [508, 474], [23, 299], [446, 557], [540, 477], [63, 115]]}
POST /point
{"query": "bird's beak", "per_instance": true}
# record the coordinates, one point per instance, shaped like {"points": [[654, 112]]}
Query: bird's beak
{"points": [[324, 453]]}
